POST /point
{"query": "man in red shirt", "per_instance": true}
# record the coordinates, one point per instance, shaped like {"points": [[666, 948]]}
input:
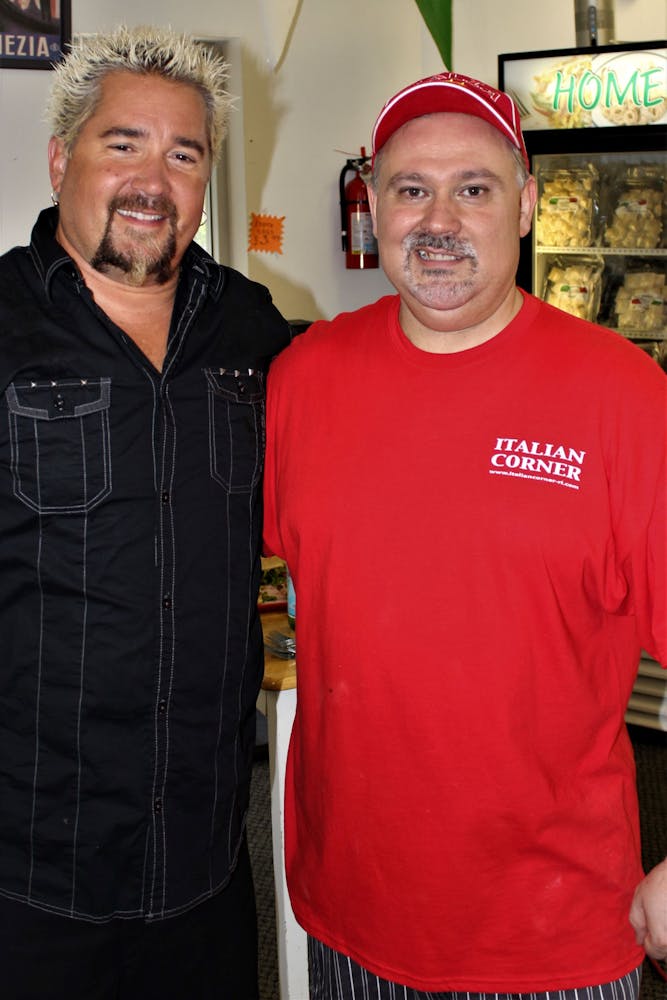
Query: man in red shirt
{"points": [[461, 481]]}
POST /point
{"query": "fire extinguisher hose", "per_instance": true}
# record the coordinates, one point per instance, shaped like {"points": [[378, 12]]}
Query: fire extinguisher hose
{"points": [[343, 213]]}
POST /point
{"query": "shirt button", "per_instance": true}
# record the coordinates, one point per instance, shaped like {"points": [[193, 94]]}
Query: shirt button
{"points": [[162, 706], [241, 387], [157, 805], [166, 602], [165, 497]]}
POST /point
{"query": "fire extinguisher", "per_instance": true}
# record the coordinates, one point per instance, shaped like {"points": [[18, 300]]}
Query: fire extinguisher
{"points": [[359, 244]]}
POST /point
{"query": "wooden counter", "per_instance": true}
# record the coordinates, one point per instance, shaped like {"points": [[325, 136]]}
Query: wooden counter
{"points": [[279, 674]]}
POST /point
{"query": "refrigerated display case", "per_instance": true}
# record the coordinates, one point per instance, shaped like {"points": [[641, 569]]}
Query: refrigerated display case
{"points": [[595, 125]]}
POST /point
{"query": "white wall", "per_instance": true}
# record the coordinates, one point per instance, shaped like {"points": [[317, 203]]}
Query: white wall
{"points": [[345, 57]]}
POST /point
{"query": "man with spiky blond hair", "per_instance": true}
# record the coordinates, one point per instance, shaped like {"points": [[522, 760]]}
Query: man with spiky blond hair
{"points": [[132, 371]]}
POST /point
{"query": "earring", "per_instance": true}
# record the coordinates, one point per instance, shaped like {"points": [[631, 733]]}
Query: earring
{"points": [[54, 198]]}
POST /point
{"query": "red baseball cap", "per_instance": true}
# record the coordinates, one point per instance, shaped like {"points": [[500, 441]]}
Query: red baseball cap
{"points": [[450, 92]]}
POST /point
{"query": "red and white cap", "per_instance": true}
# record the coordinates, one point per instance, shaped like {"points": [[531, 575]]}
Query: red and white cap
{"points": [[450, 92]]}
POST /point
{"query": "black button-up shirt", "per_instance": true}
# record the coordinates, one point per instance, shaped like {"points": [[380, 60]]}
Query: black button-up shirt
{"points": [[130, 644]]}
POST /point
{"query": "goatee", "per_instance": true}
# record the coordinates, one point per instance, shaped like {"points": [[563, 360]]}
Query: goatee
{"points": [[151, 257]]}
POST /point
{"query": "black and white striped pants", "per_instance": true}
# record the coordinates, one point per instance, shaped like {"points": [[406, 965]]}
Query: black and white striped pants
{"points": [[336, 977]]}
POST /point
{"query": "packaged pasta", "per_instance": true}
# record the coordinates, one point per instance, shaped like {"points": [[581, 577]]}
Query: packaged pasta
{"points": [[566, 207], [637, 219], [575, 285], [640, 301]]}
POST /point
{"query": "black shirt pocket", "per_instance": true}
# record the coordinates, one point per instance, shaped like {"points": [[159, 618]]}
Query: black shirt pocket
{"points": [[236, 417], [60, 443]]}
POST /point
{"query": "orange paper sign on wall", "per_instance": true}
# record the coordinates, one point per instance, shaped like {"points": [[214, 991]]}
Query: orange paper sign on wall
{"points": [[266, 233]]}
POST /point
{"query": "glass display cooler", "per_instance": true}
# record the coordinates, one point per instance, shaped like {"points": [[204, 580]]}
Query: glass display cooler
{"points": [[595, 125]]}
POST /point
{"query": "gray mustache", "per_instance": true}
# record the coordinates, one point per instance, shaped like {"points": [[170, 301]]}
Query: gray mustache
{"points": [[447, 244]]}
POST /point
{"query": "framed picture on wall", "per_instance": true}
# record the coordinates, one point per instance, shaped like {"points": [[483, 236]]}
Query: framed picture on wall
{"points": [[34, 34]]}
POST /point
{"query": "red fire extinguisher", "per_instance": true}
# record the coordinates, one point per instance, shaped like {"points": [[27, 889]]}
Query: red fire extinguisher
{"points": [[359, 244]]}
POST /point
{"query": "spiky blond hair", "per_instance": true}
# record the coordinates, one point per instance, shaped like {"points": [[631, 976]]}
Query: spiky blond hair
{"points": [[143, 50]]}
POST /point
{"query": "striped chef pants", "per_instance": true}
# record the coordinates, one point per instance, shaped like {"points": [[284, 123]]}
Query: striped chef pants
{"points": [[334, 976]]}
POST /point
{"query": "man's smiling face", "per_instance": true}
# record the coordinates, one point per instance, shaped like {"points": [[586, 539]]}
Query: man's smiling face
{"points": [[448, 211], [131, 190]]}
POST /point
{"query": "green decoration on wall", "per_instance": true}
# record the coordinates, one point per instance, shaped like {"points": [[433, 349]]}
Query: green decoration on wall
{"points": [[438, 17]]}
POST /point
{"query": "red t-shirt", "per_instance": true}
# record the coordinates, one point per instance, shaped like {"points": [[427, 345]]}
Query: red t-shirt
{"points": [[478, 546]]}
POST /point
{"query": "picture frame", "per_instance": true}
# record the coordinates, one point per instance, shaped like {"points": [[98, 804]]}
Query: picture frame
{"points": [[34, 34]]}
